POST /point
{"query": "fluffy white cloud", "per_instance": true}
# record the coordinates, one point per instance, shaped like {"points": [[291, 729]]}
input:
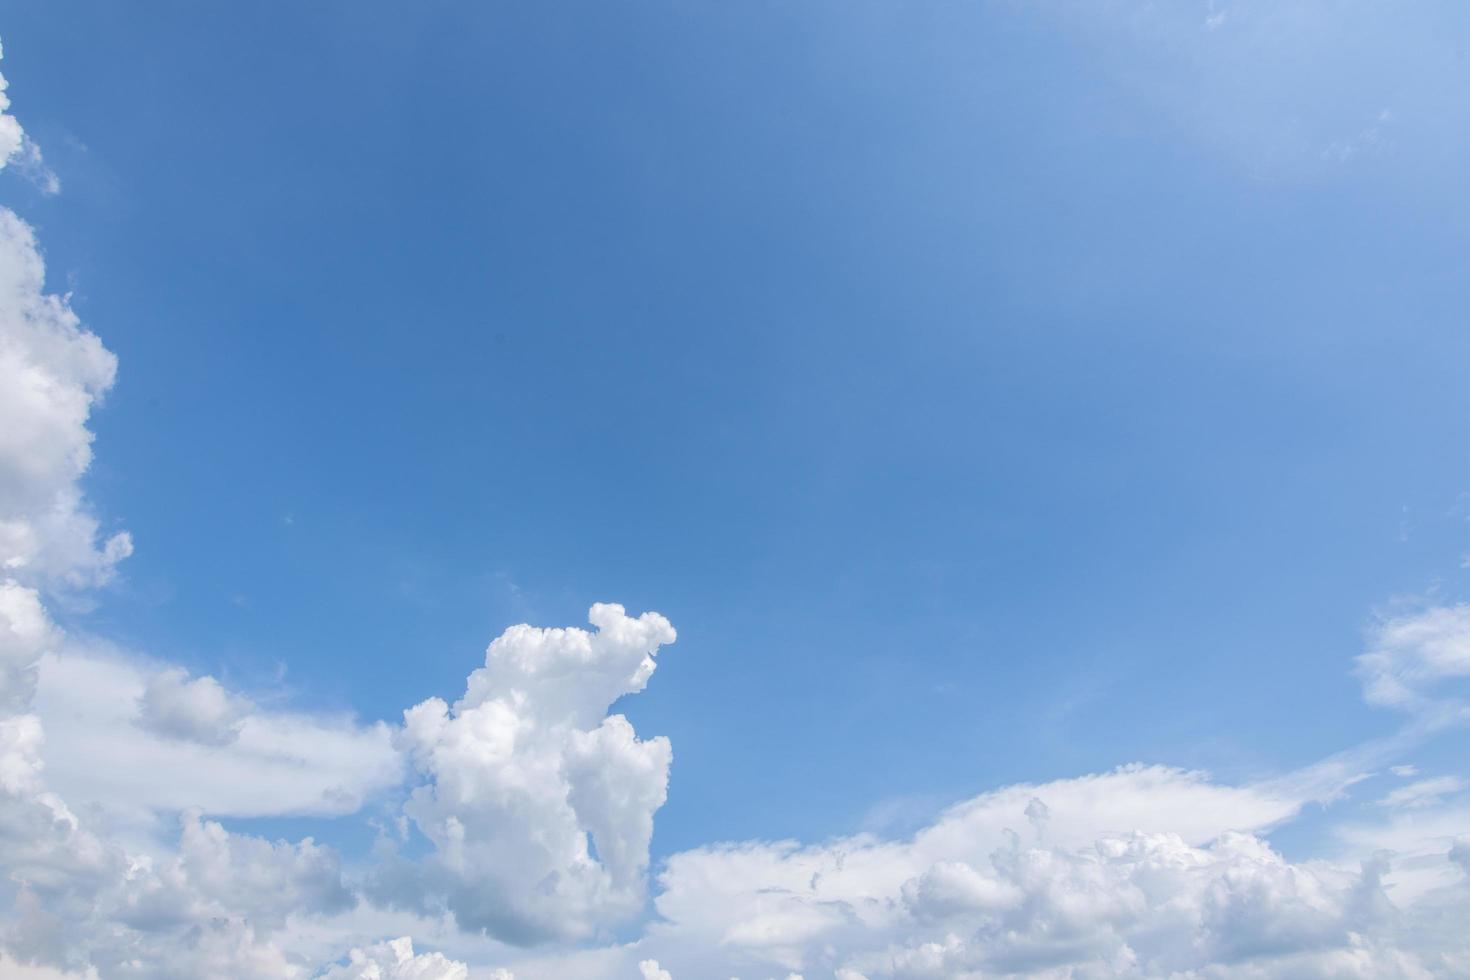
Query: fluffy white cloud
{"points": [[18, 152], [1144, 872], [12, 136], [782, 905], [25, 634], [1139, 905], [197, 710], [224, 874], [395, 960], [206, 909], [209, 909], [52, 372], [650, 970], [539, 804]]}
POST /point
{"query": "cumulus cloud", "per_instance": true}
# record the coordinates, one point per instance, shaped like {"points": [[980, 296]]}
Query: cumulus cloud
{"points": [[198, 710], [206, 910], [538, 803], [52, 373], [19, 152], [1141, 904], [211, 906], [255, 877], [25, 633], [1144, 872], [650, 970], [395, 960], [12, 136], [80, 902], [53, 866], [782, 904]]}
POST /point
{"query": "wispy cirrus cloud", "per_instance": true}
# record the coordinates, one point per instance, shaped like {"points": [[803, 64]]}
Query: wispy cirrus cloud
{"points": [[1291, 91]]}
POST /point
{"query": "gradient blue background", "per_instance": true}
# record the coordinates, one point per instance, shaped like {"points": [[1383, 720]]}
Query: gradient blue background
{"points": [[987, 392]]}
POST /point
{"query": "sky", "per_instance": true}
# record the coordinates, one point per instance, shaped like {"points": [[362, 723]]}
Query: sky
{"points": [[1027, 437]]}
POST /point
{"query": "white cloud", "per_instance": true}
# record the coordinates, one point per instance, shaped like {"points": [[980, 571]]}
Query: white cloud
{"points": [[20, 754], [14, 970], [1420, 839], [78, 900], [198, 710], [19, 152], [1140, 904], [395, 960], [25, 633], [1423, 793], [12, 136], [952, 888], [52, 372], [1410, 656], [104, 752], [650, 970], [1460, 855], [251, 876], [208, 909], [539, 804], [782, 904], [1104, 886]]}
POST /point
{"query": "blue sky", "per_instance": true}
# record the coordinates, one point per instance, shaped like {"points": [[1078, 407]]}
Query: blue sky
{"points": [[989, 393]]}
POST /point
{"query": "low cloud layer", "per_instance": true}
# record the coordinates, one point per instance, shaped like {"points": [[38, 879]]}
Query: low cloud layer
{"points": [[133, 740]]}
